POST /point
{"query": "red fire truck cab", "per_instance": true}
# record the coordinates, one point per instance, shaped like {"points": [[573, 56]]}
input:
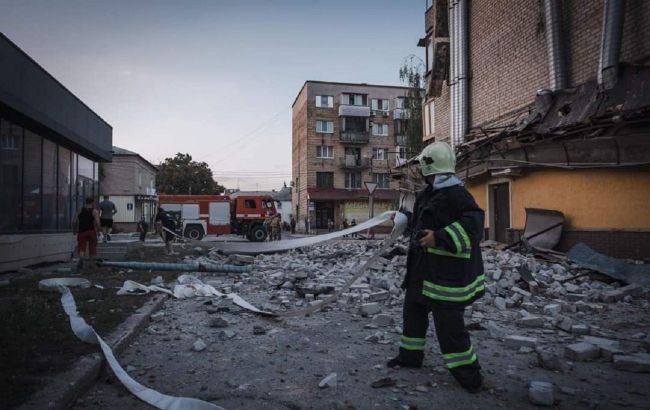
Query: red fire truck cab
{"points": [[200, 215]]}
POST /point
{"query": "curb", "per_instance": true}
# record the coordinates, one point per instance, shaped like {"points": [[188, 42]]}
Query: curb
{"points": [[62, 389]]}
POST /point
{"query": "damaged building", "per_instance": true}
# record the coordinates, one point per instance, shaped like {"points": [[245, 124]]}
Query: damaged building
{"points": [[547, 107]]}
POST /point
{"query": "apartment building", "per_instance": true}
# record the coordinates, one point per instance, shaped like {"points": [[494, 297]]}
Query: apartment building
{"points": [[344, 135], [547, 104], [130, 182]]}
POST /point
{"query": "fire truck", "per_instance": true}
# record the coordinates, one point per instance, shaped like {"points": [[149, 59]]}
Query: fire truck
{"points": [[200, 215]]}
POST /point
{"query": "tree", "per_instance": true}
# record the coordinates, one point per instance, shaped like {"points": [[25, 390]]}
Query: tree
{"points": [[181, 175], [411, 73]]}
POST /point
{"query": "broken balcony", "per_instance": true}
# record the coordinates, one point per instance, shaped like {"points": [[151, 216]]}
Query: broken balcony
{"points": [[354, 137]]}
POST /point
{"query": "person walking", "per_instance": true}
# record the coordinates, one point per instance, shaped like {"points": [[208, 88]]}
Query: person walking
{"points": [[143, 228], [293, 225], [353, 223], [86, 226], [346, 225], [267, 227], [444, 269], [108, 209], [166, 221]]}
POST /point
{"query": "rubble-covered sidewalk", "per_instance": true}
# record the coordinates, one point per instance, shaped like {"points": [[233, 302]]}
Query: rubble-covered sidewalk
{"points": [[543, 338]]}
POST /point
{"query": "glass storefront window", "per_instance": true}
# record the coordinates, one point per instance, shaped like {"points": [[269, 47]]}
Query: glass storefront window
{"points": [[11, 161], [32, 183], [49, 185], [64, 205], [86, 178]]}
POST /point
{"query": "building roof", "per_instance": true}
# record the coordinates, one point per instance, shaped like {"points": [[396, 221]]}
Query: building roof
{"points": [[30, 90], [283, 195], [121, 152], [348, 84]]}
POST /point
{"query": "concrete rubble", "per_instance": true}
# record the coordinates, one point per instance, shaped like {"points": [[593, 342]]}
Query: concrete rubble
{"points": [[556, 323]]}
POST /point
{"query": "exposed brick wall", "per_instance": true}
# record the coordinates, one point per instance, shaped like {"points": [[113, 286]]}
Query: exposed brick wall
{"points": [[299, 150], [618, 244], [508, 60], [508, 55]]}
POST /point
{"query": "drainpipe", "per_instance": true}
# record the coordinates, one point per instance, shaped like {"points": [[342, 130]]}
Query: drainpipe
{"points": [[554, 40], [610, 43], [459, 74]]}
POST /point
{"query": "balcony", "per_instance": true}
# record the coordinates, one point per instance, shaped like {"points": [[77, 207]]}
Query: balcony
{"points": [[354, 137], [352, 162], [400, 140], [401, 113], [354, 111]]}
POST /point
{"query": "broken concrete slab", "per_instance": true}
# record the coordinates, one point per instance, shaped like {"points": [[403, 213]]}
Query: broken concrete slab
{"points": [[637, 362], [541, 393], [517, 341], [582, 351], [369, 309], [531, 321]]}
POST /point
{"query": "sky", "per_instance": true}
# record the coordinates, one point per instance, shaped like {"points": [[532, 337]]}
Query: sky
{"points": [[215, 79]]}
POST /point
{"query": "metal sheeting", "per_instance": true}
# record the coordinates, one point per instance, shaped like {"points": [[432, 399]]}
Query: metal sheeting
{"points": [[586, 257]]}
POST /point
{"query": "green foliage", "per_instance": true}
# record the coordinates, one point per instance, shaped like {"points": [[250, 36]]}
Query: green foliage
{"points": [[411, 73], [181, 175]]}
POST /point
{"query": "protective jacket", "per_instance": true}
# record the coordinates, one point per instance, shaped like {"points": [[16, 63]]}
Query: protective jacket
{"points": [[450, 273]]}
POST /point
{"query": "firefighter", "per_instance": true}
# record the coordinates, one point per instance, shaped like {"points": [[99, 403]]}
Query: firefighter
{"points": [[267, 227], [444, 269], [276, 226]]}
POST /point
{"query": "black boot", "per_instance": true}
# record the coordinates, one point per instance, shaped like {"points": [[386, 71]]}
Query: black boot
{"points": [[411, 359]]}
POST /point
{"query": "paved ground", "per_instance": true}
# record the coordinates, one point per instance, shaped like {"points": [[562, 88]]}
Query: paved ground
{"points": [[278, 364]]}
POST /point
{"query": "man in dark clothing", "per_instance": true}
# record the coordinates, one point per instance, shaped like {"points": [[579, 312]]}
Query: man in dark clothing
{"points": [[108, 209], [164, 220], [293, 225], [444, 269]]}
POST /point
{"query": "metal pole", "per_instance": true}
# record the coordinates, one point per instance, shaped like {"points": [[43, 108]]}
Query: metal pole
{"points": [[372, 206]]}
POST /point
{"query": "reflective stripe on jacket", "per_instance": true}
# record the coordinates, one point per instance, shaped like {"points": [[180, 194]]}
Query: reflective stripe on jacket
{"points": [[451, 272]]}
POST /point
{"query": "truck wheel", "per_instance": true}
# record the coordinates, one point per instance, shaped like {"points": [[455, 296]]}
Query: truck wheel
{"points": [[257, 233], [194, 232]]}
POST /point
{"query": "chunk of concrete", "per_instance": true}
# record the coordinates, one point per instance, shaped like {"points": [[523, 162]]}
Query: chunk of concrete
{"points": [[383, 320], [552, 309], [531, 321], [517, 341], [369, 309], [328, 381], [378, 296], [500, 303], [618, 294], [580, 329], [637, 362], [541, 393], [582, 351]]}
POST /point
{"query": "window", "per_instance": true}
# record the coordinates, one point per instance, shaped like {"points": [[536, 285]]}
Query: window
{"points": [[354, 124], [380, 154], [399, 102], [429, 54], [324, 101], [381, 179], [249, 203], [50, 156], [354, 99], [325, 126], [11, 163], [324, 180], [324, 151], [32, 187], [379, 129], [429, 116], [64, 179], [353, 180], [401, 152], [380, 105]]}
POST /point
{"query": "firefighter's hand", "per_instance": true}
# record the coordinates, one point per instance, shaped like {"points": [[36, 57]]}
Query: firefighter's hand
{"points": [[427, 241]]}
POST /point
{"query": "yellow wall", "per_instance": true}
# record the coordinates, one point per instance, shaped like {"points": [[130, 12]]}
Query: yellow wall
{"points": [[589, 198]]}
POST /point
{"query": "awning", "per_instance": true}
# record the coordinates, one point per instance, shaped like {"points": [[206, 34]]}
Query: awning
{"points": [[319, 194]]}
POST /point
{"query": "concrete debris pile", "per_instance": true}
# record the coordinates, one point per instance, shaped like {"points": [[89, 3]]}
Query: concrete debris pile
{"points": [[554, 312]]}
